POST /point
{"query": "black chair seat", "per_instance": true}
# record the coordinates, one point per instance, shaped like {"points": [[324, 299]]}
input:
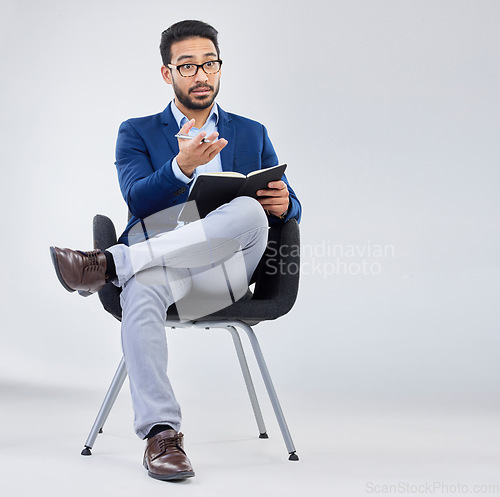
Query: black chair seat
{"points": [[276, 277]]}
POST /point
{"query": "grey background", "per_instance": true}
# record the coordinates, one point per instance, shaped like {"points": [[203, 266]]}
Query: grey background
{"points": [[385, 111]]}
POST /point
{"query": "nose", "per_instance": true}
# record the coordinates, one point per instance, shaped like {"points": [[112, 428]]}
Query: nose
{"points": [[200, 75]]}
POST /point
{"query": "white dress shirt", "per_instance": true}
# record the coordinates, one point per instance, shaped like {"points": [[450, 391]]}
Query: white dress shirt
{"points": [[209, 127]]}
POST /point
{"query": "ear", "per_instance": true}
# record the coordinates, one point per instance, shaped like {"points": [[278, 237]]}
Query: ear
{"points": [[166, 75]]}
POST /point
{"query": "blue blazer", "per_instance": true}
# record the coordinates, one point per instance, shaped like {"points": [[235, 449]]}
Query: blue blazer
{"points": [[146, 147]]}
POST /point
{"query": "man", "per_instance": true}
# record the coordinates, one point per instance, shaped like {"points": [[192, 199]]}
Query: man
{"points": [[155, 171]]}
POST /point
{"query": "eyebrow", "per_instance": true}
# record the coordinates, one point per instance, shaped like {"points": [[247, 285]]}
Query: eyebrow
{"points": [[183, 57]]}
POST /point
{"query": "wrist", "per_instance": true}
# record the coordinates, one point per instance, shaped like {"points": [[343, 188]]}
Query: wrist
{"points": [[282, 215], [185, 168]]}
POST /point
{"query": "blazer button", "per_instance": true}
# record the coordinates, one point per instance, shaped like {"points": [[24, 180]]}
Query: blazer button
{"points": [[180, 191]]}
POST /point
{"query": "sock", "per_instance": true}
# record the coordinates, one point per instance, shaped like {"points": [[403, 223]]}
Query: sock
{"points": [[157, 429], [110, 266]]}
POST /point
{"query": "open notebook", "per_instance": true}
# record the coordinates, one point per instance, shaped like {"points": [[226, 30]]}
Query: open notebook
{"points": [[211, 190]]}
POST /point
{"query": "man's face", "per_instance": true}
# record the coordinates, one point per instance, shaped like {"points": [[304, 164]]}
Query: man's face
{"points": [[198, 91]]}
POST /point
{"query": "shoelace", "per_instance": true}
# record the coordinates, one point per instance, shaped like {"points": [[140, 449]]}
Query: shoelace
{"points": [[92, 261], [175, 441]]}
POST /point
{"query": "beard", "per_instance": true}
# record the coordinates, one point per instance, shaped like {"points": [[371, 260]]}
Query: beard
{"points": [[193, 102]]}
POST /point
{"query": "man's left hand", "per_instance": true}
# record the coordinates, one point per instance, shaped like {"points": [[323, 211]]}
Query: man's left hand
{"points": [[276, 198]]}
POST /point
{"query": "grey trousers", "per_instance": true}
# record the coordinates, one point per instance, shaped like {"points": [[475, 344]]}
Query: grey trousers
{"points": [[203, 266]]}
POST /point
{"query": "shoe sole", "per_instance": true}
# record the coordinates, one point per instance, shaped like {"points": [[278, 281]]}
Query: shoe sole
{"points": [[58, 272], [181, 475], [176, 476]]}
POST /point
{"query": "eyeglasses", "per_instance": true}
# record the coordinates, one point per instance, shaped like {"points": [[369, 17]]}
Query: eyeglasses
{"points": [[190, 70]]}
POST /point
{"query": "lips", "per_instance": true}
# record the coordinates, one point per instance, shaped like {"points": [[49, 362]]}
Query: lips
{"points": [[201, 90]]}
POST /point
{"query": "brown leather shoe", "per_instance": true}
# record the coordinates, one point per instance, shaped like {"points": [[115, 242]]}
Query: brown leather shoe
{"points": [[76, 270], [165, 458]]}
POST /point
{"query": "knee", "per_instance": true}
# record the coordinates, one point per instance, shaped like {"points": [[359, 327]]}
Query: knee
{"points": [[252, 211]]}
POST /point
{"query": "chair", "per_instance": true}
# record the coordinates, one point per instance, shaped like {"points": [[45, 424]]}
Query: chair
{"points": [[274, 294]]}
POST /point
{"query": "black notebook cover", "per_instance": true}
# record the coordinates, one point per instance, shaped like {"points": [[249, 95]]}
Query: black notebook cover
{"points": [[212, 190]]}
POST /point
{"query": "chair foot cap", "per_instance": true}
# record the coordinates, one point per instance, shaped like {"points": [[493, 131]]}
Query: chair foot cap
{"points": [[86, 451], [293, 457], [264, 435]]}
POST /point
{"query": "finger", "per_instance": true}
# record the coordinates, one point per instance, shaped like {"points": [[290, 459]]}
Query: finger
{"points": [[279, 185], [276, 209], [266, 193], [221, 143], [273, 201], [187, 127], [273, 193], [216, 147], [198, 139], [213, 136]]}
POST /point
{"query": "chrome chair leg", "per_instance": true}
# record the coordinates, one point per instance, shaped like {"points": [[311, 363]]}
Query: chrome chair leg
{"points": [[121, 374], [271, 391], [248, 381], [107, 404]]}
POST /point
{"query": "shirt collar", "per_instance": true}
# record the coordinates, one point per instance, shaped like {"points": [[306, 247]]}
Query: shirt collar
{"points": [[182, 119]]}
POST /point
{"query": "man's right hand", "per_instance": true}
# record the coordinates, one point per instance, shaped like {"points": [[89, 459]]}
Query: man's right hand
{"points": [[195, 152]]}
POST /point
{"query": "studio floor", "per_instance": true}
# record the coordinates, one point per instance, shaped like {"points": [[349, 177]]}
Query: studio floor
{"points": [[347, 446]]}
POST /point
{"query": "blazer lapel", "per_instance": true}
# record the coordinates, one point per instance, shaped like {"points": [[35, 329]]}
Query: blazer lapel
{"points": [[170, 129], [227, 131]]}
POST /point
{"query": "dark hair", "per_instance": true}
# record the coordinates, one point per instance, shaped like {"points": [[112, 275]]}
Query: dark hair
{"points": [[183, 30]]}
